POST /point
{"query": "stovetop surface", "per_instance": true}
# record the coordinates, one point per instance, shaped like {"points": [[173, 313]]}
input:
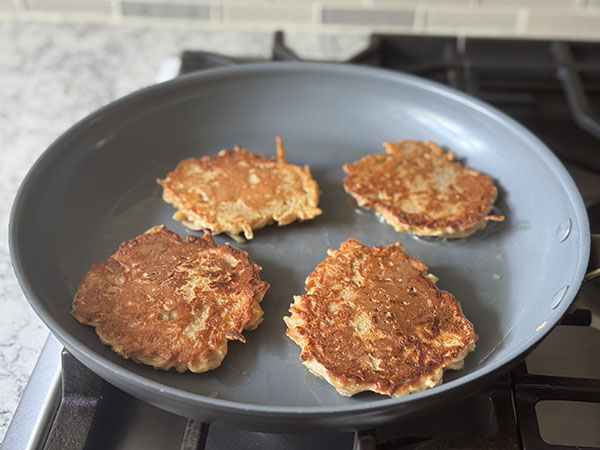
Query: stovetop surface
{"points": [[553, 88]]}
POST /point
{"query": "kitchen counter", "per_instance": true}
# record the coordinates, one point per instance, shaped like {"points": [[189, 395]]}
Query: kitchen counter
{"points": [[52, 75]]}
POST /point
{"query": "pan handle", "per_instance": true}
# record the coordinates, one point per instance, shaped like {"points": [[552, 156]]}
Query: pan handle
{"points": [[594, 265]]}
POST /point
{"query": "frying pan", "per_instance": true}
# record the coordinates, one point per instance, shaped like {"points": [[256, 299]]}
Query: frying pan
{"points": [[95, 187]]}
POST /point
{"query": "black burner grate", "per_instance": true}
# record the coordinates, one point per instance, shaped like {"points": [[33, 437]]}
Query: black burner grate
{"points": [[485, 421], [551, 87], [531, 389]]}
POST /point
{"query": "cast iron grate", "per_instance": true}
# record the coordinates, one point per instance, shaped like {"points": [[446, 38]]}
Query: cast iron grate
{"points": [[551, 87], [502, 417]]}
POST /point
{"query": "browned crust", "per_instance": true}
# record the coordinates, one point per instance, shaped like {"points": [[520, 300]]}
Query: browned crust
{"points": [[372, 319], [418, 188], [238, 191], [168, 303]]}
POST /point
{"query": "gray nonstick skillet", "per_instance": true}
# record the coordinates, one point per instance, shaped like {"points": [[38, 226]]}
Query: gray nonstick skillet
{"points": [[95, 187]]}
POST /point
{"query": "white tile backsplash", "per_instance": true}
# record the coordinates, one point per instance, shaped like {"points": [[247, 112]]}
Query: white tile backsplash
{"points": [[570, 19]]}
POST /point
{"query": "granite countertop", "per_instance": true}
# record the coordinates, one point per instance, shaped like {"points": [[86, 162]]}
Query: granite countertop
{"points": [[52, 75]]}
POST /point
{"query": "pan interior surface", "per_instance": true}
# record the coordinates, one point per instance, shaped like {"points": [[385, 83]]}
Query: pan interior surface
{"points": [[96, 188]]}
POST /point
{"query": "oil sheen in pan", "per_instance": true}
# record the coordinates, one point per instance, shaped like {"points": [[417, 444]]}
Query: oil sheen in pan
{"points": [[491, 228]]}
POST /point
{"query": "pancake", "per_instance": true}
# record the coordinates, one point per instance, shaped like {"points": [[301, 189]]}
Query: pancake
{"points": [[168, 303], [372, 319], [418, 188], [238, 191]]}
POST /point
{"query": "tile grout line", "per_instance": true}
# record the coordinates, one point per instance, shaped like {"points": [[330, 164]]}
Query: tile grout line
{"points": [[19, 7], [420, 19], [522, 20], [423, 20], [316, 13], [116, 8]]}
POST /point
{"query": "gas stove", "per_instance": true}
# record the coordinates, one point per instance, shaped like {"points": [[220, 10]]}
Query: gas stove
{"points": [[550, 401]]}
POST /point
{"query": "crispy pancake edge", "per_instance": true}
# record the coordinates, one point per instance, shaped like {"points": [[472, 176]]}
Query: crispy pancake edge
{"points": [[254, 292], [195, 221], [342, 384], [417, 224]]}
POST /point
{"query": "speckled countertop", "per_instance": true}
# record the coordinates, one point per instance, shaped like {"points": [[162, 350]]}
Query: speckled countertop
{"points": [[52, 75]]}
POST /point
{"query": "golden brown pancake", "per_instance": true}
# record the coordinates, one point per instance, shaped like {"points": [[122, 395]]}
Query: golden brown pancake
{"points": [[372, 319], [168, 303], [418, 188], [238, 191]]}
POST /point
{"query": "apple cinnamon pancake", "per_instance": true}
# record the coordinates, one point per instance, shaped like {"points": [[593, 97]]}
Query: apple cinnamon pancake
{"points": [[418, 188], [372, 319], [238, 191], [168, 303]]}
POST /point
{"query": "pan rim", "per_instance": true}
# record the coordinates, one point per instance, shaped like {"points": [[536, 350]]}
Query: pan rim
{"points": [[103, 364]]}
